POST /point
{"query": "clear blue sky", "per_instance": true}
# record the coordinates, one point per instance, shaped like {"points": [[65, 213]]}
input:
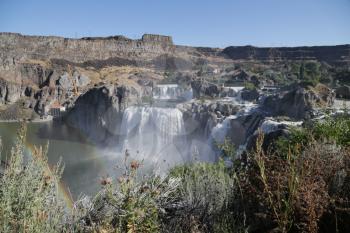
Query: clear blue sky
{"points": [[216, 23]]}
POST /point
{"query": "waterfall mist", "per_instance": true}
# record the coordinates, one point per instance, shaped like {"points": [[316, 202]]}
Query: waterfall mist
{"points": [[155, 135]]}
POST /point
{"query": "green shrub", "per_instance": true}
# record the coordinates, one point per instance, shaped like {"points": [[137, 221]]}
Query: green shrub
{"points": [[297, 139], [133, 205], [29, 200], [249, 86], [207, 191], [336, 129], [310, 72], [228, 149]]}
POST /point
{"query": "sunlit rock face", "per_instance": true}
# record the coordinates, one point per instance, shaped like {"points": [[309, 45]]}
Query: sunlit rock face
{"points": [[157, 135]]}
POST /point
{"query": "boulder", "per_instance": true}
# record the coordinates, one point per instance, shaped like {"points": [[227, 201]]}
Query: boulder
{"points": [[98, 113], [227, 92], [250, 95], [202, 88], [299, 102], [242, 127], [343, 92]]}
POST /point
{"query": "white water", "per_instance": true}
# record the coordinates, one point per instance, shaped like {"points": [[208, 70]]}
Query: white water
{"points": [[166, 91], [219, 132], [171, 92], [154, 134], [236, 89], [271, 125]]}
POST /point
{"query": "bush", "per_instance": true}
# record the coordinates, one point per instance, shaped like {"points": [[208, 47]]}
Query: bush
{"points": [[336, 129], [206, 191], [310, 72], [29, 200], [134, 205], [249, 86], [291, 193]]}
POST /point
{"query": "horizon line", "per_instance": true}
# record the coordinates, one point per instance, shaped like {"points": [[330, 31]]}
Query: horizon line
{"points": [[176, 44]]}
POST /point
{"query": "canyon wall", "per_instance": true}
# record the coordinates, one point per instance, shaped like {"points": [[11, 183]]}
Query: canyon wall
{"points": [[329, 54]]}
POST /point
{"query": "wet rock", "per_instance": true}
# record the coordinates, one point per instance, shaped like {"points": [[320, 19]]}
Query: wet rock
{"points": [[227, 92], [250, 95], [343, 92], [201, 88], [244, 126], [97, 113], [299, 102]]}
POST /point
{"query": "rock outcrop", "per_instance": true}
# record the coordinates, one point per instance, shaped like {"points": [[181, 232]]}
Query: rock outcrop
{"points": [[329, 54], [299, 102], [343, 92], [9, 92], [202, 88], [98, 113], [250, 94]]}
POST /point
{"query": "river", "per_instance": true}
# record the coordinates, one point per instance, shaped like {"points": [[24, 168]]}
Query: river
{"points": [[84, 162]]}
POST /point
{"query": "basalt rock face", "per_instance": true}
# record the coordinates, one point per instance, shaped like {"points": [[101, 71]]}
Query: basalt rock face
{"points": [[9, 92], [343, 92], [329, 54], [202, 88], [15, 47], [200, 118], [250, 95], [98, 113], [299, 102], [43, 70], [244, 126]]}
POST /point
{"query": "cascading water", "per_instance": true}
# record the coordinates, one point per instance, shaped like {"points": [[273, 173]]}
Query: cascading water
{"points": [[154, 134], [166, 91], [171, 92]]}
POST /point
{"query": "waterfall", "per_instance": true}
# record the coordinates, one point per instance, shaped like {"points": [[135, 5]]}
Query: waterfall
{"points": [[219, 132], [166, 91], [171, 92], [154, 134]]}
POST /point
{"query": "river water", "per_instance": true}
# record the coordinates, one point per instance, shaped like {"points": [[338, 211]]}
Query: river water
{"points": [[84, 162]]}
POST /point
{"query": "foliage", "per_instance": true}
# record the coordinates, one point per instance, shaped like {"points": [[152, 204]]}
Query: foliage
{"points": [[206, 189], [29, 200], [228, 149], [135, 205], [298, 138], [249, 86], [336, 129], [343, 76], [302, 186], [331, 129], [310, 72], [292, 191]]}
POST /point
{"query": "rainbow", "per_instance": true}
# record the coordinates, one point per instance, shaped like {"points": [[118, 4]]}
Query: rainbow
{"points": [[63, 190]]}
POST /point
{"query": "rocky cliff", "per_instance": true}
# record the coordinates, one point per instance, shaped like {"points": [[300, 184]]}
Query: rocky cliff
{"points": [[39, 71], [329, 54]]}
